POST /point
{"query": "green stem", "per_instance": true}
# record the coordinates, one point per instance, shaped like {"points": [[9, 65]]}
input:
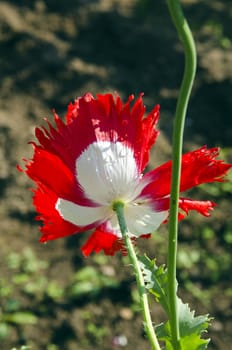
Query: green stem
{"points": [[118, 208], [181, 108]]}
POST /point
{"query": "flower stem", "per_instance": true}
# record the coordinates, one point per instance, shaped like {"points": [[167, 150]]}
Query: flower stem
{"points": [[118, 208], [181, 108]]}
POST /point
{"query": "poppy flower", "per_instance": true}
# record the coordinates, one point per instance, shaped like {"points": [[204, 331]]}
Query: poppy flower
{"points": [[82, 166]]}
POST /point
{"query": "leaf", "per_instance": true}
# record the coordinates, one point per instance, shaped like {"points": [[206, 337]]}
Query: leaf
{"points": [[188, 322], [23, 317], [191, 328], [155, 280], [90, 282]]}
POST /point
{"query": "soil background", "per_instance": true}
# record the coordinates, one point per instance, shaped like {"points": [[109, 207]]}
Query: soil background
{"points": [[50, 53]]}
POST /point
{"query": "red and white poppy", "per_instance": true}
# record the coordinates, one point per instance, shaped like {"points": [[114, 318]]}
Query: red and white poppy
{"points": [[82, 166]]}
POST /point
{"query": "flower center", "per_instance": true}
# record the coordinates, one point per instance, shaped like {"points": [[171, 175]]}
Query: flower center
{"points": [[107, 171]]}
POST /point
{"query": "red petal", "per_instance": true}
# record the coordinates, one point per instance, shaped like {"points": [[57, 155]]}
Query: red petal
{"points": [[89, 120], [53, 224], [57, 141], [48, 169], [102, 240], [198, 167], [54, 180], [201, 166], [203, 207]]}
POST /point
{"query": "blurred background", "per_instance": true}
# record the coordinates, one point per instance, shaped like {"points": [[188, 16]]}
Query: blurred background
{"points": [[52, 51]]}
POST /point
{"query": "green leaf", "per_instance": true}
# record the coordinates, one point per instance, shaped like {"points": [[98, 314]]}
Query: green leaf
{"points": [[90, 282], [188, 322], [20, 318], [3, 330], [191, 328], [156, 279]]}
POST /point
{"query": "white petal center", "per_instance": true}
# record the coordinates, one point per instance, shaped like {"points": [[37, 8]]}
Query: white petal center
{"points": [[140, 218], [80, 215], [107, 171]]}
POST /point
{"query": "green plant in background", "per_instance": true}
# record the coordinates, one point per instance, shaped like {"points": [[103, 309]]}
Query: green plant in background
{"points": [[28, 275], [11, 311], [88, 282], [94, 333], [44, 294], [216, 29]]}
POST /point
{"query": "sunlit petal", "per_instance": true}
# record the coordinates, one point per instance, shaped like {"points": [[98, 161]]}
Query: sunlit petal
{"points": [[141, 219], [107, 171], [80, 215]]}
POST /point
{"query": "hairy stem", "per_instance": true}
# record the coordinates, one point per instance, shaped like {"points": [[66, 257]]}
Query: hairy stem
{"points": [[118, 207], [186, 38]]}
